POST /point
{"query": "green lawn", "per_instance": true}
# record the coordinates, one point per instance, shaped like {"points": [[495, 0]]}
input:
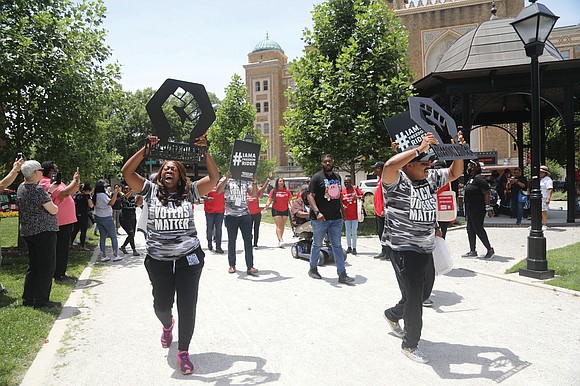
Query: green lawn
{"points": [[565, 261], [24, 329]]}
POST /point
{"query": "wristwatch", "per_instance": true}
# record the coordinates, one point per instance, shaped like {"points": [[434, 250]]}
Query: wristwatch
{"points": [[316, 213]]}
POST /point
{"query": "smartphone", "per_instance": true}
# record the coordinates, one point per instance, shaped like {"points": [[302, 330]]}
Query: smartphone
{"points": [[56, 177], [18, 156], [77, 169]]}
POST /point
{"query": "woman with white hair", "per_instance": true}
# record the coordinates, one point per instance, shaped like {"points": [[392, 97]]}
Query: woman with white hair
{"points": [[38, 226]]}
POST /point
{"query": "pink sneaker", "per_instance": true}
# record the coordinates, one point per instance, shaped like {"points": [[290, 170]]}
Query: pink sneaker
{"points": [[185, 365], [167, 335]]}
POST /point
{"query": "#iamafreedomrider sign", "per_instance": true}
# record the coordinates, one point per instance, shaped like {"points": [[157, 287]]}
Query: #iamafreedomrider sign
{"points": [[244, 160], [424, 115]]}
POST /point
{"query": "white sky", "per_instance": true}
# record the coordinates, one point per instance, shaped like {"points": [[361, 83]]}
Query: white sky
{"points": [[208, 41]]}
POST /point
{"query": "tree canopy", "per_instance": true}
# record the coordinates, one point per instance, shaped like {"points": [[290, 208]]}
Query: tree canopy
{"points": [[353, 75], [55, 81], [235, 119]]}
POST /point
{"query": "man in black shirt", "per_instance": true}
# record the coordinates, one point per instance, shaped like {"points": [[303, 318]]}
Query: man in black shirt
{"points": [[326, 217]]}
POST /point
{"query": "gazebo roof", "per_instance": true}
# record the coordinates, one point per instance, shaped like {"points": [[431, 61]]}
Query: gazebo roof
{"points": [[493, 44]]}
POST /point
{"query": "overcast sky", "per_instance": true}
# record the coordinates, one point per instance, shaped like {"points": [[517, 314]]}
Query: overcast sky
{"points": [[208, 41]]}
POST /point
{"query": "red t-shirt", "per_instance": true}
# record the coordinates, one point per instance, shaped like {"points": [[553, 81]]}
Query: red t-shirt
{"points": [[214, 203], [349, 198], [253, 204], [379, 200], [283, 196]]}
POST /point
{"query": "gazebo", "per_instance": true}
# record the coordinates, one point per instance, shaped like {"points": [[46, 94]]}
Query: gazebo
{"points": [[483, 79]]}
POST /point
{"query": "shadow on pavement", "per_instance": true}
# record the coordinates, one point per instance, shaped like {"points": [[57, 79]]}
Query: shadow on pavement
{"points": [[224, 369], [457, 361], [263, 276]]}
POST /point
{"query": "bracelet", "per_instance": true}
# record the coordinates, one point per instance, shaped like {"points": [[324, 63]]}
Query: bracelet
{"points": [[417, 152]]}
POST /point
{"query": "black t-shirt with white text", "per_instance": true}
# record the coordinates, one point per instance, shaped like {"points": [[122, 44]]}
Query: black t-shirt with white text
{"points": [[326, 189]]}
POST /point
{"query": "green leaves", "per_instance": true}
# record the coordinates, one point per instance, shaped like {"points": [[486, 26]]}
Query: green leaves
{"points": [[357, 75], [55, 82]]}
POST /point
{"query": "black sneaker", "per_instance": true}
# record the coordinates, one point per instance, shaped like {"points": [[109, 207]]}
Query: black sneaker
{"points": [[313, 273], [343, 278], [428, 303], [380, 256], [48, 305], [354, 252], [210, 247], [489, 253], [123, 249], [348, 250], [219, 250], [470, 254]]}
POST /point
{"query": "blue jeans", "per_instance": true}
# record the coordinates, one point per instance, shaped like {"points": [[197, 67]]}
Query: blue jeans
{"points": [[107, 228], [351, 229], [244, 224], [517, 208], [333, 228], [214, 220]]}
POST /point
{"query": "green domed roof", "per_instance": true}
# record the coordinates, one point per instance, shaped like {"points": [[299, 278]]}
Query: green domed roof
{"points": [[267, 45]]}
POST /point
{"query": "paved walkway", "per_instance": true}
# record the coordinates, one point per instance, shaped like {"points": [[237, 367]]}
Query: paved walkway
{"points": [[282, 327]]}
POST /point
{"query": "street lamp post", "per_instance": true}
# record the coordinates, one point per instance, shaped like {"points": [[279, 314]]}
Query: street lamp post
{"points": [[533, 25]]}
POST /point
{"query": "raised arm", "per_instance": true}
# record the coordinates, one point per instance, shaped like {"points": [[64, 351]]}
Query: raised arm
{"points": [[206, 184], [134, 180], [396, 162], [222, 185], [10, 177], [456, 168]]}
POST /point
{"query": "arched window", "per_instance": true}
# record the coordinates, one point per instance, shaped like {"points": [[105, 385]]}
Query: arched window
{"points": [[257, 86]]}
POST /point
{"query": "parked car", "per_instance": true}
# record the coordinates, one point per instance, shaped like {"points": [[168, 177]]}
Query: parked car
{"points": [[8, 200], [368, 187]]}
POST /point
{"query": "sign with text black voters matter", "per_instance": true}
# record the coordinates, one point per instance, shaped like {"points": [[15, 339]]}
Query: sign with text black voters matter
{"points": [[244, 160], [424, 115]]}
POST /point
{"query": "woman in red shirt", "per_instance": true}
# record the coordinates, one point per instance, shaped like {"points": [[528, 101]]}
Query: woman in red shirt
{"points": [[254, 208], [280, 198], [350, 195]]}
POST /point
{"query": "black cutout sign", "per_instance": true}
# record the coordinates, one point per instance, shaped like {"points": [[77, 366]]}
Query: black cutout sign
{"points": [[190, 103], [424, 115]]}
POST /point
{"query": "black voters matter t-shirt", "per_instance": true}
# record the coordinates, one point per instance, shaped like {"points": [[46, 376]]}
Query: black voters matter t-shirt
{"points": [[326, 188]]}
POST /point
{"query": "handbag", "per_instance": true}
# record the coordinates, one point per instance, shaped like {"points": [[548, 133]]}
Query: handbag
{"points": [[442, 259], [522, 197], [360, 210]]}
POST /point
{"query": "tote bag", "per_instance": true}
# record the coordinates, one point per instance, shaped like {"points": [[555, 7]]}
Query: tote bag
{"points": [[360, 210]]}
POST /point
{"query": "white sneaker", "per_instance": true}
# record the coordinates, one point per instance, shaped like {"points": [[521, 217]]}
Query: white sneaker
{"points": [[280, 244], [104, 257], [117, 258], [415, 355]]}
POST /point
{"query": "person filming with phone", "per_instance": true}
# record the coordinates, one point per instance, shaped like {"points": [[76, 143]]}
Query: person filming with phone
{"points": [[61, 195]]}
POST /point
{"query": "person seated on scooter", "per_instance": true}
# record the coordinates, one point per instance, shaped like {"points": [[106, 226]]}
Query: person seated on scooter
{"points": [[301, 212]]}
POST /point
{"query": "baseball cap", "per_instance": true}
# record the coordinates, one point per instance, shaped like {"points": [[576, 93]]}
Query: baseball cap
{"points": [[378, 164]]}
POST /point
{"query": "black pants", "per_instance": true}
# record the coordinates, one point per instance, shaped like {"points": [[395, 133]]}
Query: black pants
{"points": [[410, 270], [81, 225], [169, 277], [475, 215], [244, 224], [62, 249], [128, 221], [380, 226], [256, 220], [41, 263]]}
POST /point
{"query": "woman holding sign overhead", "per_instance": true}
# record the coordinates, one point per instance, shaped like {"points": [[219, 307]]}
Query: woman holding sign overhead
{"points": [[237, 216], [174, 258]]}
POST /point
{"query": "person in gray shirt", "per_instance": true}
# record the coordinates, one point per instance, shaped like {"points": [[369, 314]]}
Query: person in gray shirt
{"points": [[237, 216], [174, 258], [410, 187]]}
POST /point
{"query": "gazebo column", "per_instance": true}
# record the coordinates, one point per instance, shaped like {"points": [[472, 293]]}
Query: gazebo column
{"points": [[570, 161], [520, 144]]}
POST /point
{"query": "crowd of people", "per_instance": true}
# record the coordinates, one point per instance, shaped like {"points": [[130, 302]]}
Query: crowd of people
{"points": [[53, 213]]}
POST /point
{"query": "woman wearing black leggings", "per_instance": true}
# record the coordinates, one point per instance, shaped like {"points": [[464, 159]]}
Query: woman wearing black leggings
{"points": [[128, 219], [476, 199]]}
